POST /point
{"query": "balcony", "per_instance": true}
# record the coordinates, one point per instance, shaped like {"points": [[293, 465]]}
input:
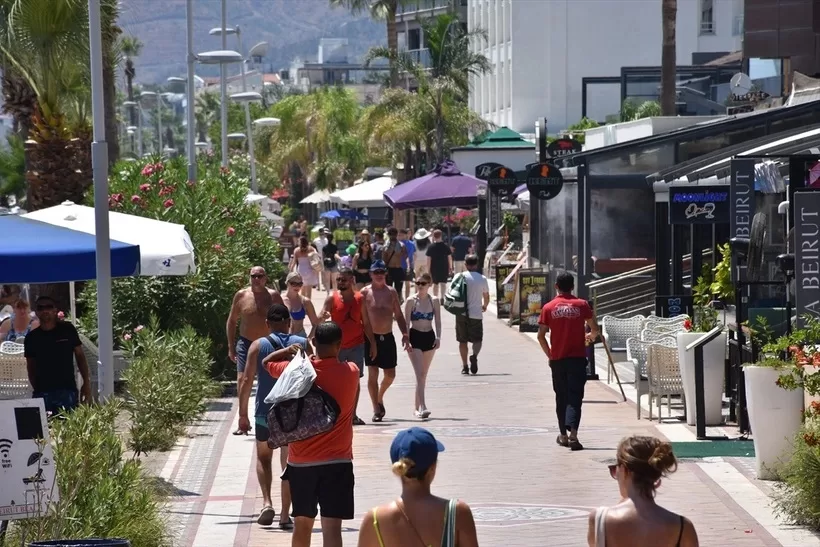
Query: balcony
{"points": [[707, 27], [420, 56]]}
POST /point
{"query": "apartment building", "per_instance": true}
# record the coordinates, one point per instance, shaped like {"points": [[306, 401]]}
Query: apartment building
{"points": [[409, 29], [541, 50]]}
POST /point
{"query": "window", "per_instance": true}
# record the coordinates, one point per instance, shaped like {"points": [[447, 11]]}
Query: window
{"points": [[707, 17]]}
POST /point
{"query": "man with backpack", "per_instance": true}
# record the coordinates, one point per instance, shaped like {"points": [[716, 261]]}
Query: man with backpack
{"points": [[320, 468], [468, 297], [278, 345]]}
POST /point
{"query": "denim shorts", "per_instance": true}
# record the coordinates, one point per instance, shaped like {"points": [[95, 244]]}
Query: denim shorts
{"points": [[354, 355], [242, 347], [58, 400]]}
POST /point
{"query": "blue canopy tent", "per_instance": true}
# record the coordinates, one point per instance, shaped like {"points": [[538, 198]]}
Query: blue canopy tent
{"points": [[36, 252], [348, 214]]}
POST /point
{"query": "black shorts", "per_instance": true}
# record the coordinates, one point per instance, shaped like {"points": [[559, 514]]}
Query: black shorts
{"points": [[362, 278], [469, 330], [387, 355], [396, 275], [422, 340], [329, 486]]}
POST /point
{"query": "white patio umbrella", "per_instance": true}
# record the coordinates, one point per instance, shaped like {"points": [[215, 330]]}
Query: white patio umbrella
{"points": [[366, 194]]}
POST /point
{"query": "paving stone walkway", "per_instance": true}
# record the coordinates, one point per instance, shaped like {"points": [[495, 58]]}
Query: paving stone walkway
{"points": [[499, 430]]}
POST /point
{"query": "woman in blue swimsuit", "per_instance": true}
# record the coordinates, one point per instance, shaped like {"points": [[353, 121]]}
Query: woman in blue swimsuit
{"points": [[19, 324], [423, 314], [299, 306]]}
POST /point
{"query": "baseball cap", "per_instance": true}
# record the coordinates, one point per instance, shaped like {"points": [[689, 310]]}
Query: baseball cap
{"points": [[377, 265], [416, 444]]}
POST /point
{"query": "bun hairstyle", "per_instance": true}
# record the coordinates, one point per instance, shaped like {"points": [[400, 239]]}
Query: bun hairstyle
{"points": [[406, 468], [648, 459]]}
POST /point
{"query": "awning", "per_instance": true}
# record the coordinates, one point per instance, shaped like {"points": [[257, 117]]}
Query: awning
{"points": [[164, 248], [36, 252], [366, 194], [319, 196]]}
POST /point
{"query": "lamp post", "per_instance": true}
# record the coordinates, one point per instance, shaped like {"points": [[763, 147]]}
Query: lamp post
{"points": [[247, 97], [262, 122], [99, 160], [135, 104], [222, 57], [158, 99]]}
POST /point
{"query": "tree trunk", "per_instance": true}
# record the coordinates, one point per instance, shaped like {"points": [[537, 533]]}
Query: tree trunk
{"points": [[669, 14], [393, 41]]}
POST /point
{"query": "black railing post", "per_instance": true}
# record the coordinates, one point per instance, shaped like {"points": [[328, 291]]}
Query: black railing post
{"points": [[700, 396]]}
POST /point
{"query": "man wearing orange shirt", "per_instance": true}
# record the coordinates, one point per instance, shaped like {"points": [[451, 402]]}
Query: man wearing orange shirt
{"points": [[320, 469]]}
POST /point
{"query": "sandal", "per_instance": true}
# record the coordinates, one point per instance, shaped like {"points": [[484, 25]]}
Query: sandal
{"points": [[358, 421], [562, 441], [266, 516], [240, 432], [465, 371], [287, 525], [575, 446]]}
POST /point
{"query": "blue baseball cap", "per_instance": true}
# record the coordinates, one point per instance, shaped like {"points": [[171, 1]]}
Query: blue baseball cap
{"points": [[377, 265], [416, 444]]}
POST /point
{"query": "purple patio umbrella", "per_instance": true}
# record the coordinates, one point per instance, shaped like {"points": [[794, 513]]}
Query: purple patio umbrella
{"points": [[445, 186]]}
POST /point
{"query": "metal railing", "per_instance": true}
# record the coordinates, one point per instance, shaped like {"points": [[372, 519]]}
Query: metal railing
{"points": [[420, 56], [632, 292]]}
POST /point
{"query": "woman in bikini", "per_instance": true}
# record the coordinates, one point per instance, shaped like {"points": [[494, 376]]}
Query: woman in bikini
{"points": [[299, 306], [423, 314], [641, 462], [418, 517], [361, 264], [16, 327]]}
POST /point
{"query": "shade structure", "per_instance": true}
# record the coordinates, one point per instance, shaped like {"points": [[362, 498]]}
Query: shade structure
{"points": [[319, 196], [348, 214], [445, 186], [37, 252], [366, 194], [523, 200], [164, 248]]}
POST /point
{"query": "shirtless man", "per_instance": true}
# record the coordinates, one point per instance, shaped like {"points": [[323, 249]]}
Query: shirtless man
{"points": [[381, 306], [249, 310], [394, 253]]}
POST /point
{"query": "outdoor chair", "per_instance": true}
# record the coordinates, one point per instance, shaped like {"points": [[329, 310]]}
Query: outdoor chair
{"points": [[617, 330], [652, 335], [14, 382], [670, 328], [655, 322], [664, 375], [636, 353]]}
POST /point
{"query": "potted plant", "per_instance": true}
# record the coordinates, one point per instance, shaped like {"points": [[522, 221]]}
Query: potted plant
{"points": [[775, 387], [704, 319]]}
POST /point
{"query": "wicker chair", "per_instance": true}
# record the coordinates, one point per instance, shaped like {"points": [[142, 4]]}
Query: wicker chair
{"points": [[663, 371], [617, 330], [652, 335], [655, 320], [636, 353], [14, 382]]}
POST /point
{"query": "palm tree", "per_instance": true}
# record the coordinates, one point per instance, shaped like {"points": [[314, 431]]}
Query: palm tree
{"points": [[382, 10], [130, 47], [12, 170], [451, 53], [19, 100], [669, 14]]}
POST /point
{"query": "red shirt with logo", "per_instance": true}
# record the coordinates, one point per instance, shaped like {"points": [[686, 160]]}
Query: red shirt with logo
{"points": [[348, 315], [566, 316]]}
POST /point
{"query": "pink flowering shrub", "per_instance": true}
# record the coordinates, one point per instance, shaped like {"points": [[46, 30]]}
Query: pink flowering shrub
{"points": [[227, 236]]}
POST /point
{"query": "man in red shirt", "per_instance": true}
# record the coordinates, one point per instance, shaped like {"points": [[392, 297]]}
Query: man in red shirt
{"points": [[344, 307], [320, 469], [566, 317]]}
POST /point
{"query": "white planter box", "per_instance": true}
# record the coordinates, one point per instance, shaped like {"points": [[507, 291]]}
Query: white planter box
{"points": [[714, 356], [775, 417]]}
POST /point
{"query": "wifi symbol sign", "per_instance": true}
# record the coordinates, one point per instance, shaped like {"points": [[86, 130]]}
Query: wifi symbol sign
{"points": [[5, 448]]}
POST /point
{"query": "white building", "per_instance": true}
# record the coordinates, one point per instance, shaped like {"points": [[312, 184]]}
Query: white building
{"points": [[409, 30], [541, 49]]}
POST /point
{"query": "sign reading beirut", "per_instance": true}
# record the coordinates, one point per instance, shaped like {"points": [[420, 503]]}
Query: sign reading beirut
{"points": [[692, 204], [742, 204], [806, 207], [544, 181]]}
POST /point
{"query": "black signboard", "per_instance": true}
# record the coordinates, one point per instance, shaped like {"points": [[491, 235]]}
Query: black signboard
{"points": [[502, 180], [675, 304], [563, 147], [804, 176], [741, 204], [806, 206], [533, 293], [483, 172], [504, 294], [544, 181], [693, 204]]}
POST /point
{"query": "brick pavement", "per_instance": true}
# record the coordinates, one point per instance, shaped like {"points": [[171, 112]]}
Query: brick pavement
{"points": [[501, 458]]}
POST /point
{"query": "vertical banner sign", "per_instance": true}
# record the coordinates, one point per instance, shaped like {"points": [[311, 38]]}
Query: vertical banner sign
{"points": [[493, 199], [504, 292], [742, 205], [806, 206], [532, 295], [501, 183]]}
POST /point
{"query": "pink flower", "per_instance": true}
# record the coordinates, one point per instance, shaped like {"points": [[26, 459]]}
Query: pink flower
{"points": [[217, 247], [60, 315], [126, 336], [168, 203], [158, 167], [148, 170], [135, 199], [117, 197], [231, 231], [138, 328], [162, 182], [145, 187], [166, 191]]}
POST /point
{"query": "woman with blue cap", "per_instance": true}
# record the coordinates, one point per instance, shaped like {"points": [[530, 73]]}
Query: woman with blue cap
{"points": [[426, 520]]}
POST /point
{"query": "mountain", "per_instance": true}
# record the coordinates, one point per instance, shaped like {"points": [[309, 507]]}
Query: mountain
{"points": [[292, 29]]}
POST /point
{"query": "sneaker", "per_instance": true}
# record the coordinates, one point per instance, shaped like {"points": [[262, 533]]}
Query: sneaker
{"points": [[417, 413], [575, 445], [425, 414], [465, 370], [473, 364]]}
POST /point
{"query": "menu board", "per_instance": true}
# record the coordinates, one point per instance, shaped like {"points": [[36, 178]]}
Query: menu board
{"points": [[533, 293], [504, 292]]}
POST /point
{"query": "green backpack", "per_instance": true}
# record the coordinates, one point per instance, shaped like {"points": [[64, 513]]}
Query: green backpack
{"points": [[455, 299]]}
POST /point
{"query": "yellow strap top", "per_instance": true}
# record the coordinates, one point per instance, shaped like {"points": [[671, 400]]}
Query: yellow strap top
{"points": [[376, 528]]}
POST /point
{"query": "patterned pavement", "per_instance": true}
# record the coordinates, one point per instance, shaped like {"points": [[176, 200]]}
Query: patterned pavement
{"points": [[501, 458]]}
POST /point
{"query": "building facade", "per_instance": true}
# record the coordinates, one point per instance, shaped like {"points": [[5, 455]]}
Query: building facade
{"points": [[409, 29], [541, 51], [786, 32]]}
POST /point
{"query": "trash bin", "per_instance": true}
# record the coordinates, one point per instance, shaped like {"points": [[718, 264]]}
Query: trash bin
{"points": [[81, 543]]}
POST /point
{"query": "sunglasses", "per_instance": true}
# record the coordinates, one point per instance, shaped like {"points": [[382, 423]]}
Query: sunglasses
{"points": [[379, 272], [341, 280], [295, 283], [421, 283], [45, 307], [258, 276], [613, 470]]}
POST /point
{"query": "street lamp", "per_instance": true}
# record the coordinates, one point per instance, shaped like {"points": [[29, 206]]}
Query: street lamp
{"points": [[158, 99], [267, 122], [135, 104], [236, 136], [221, 57], [247, 97]]}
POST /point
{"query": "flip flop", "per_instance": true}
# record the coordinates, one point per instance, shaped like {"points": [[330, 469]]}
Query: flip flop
{"points": [[358, 421], [266, 516], [287, 525], [240, 432], [562, 442]]}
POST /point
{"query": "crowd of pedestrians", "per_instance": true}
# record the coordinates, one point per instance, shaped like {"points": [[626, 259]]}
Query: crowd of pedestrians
{"points": [[402, 281]]}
